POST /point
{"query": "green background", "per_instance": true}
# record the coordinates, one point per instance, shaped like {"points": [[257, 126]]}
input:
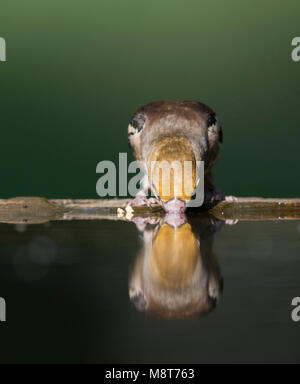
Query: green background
{"points": [[77, 70]]}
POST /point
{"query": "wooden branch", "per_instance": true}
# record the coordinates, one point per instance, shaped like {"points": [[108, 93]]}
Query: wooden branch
{"points": [[257, 208], [34, 210]]}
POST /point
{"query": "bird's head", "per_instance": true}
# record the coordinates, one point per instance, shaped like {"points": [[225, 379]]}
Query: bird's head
{"points": [[169, 139]]}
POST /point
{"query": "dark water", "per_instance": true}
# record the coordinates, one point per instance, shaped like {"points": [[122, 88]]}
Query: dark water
{"points": [[66, 286]]}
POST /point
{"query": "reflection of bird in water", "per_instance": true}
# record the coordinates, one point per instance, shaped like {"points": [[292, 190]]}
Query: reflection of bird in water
{"points": [[176, 273]]}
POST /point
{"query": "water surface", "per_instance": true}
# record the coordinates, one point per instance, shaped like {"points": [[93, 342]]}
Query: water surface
{"points": [[67, 287]]}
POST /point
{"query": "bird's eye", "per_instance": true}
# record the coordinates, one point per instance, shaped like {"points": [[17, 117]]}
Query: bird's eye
{"points": [[214, 127], [212, 123], [137, 123]]}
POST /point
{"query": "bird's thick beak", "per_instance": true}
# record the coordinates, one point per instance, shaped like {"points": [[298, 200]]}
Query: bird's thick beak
{"points": [[172, 170]]}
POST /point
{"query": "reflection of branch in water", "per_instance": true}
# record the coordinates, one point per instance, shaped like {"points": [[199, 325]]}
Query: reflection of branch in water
{"points": [[176, 273]]}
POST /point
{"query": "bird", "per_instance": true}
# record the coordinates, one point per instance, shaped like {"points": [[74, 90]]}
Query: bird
{"points": [[181, 132]]}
